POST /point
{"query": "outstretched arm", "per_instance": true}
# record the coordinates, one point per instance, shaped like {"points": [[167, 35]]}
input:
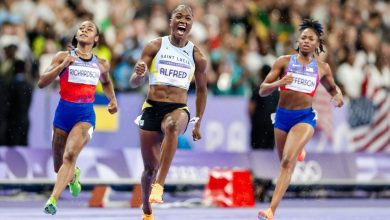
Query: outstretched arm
{"points": [[328, 82], [60, 61], [201, 90], [141, 67], [107, 85], [271, 82]]}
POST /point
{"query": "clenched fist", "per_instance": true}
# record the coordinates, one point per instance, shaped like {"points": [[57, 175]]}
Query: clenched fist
{"points": [[140, 68]]}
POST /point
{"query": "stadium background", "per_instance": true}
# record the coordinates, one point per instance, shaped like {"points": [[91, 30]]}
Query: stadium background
{"points": [[347, 157]]}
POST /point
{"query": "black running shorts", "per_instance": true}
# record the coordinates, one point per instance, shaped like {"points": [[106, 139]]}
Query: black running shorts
{"points": [[153, 113]]}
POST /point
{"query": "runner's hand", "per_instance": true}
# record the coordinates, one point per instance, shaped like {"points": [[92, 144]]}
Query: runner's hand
{"points": [[140, 68]]}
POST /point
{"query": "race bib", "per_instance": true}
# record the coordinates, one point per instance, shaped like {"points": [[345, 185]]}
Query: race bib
{"points": [[302, 83], [83, 75], [176, 74]]}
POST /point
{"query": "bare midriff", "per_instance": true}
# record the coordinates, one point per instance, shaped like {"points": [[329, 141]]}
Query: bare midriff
{"points": [[294, 100], [164, 93]]}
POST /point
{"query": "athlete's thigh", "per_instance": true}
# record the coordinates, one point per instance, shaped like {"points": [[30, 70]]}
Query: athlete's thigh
{"points": [[178, 117], [297, 138], [280, 140], [150, 147], [79, 137], [58, 146]]}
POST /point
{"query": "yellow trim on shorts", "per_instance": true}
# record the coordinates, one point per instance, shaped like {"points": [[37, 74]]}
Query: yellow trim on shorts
{"points": [[185, 108], [148, 105]]}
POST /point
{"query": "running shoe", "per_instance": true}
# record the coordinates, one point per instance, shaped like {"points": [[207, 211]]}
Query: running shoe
{"points": [[265, 215], [156, 194], [50, 206], [75, 186], [302, 155]]}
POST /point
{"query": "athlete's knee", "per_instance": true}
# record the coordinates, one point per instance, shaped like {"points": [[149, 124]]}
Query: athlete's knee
{"points": [[286, 163], [70, 157], [172, 127]]}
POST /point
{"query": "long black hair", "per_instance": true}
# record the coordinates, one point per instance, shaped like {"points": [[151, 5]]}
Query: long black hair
{"points": [[74, 41], [317, 28]]}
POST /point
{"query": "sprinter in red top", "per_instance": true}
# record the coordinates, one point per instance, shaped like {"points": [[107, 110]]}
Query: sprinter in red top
{"points": [[78, 81], [79, 71]]}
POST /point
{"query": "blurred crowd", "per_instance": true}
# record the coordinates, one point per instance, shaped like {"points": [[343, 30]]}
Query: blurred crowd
{"points": [[242, 39]]}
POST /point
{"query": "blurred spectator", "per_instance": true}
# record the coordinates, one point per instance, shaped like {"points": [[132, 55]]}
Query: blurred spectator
{"points": [[349, 74], [7, 65], [260, 110], [227, 28], [124, 68], [3, 109], [20, 94], [50, 49]]}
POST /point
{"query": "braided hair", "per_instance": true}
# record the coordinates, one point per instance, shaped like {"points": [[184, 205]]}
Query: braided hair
{"points": [[317, 28]]}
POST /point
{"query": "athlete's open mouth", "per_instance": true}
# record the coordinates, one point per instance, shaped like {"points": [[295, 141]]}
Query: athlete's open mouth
{"points": [[181, 29]]}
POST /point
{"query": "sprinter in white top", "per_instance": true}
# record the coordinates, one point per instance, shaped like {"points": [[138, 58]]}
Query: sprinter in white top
{"points": [[173, 66], [172, 61]]}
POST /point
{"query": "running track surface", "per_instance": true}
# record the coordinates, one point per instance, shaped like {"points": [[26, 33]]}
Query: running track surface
{"points": [[290, 209]]}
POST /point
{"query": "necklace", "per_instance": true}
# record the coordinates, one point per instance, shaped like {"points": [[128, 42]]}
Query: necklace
{"points": [[87, 54]]}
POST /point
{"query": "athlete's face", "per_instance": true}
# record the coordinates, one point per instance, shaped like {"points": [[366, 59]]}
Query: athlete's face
{"points": [[308, 41], [181, 23], [87, 33]]}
